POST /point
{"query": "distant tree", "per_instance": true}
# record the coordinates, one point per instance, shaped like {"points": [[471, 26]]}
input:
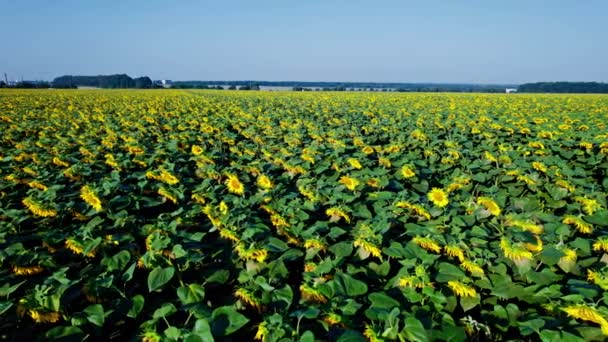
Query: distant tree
{"points": [[232, 87], [2, 84], [101, 81], [297, 89], [143, 82], [564, 87]]}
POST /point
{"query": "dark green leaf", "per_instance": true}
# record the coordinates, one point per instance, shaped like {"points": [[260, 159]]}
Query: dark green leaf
{"points": [[159, 276]]}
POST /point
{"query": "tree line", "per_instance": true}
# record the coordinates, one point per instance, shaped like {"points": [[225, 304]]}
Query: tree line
{"points": [[564, 87], [103, 81]]}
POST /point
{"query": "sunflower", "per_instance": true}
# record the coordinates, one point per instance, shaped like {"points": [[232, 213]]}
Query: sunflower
{"points": [[248, 298], [311, 294], [461, 290], [27, 270], [368, 150], [580, 225], [538, 166], [150, 336], [371, 334], [516, 254], [335, 214], [368, 247], [587, 313], [167, 177], [384, 162], [472, 267], [168, 195], [77, 248], [229, 235], [590, 206], [349, 182], [601, 245], [44, 317], [427, 243], [60, 162], [234, 185], [438, 197], [264, 182], [262, 332], [407, 171], [454, 251], [315, 243], [37, 185], [354, 163], [89, 196], [490, 205], [196, 150], [37, 209]]}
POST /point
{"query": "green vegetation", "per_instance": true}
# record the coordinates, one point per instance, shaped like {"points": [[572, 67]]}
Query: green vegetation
{"points": [[302, 216]]}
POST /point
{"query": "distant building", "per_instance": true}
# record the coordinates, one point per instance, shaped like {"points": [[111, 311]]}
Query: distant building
{"points": [[163, 83], [510, 90]]}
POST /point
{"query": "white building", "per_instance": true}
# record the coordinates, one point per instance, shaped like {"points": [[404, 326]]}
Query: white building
{"points": [[510, 90]]}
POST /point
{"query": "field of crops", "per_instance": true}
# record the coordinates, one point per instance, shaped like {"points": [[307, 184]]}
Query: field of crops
{"points": [[201, 215]]}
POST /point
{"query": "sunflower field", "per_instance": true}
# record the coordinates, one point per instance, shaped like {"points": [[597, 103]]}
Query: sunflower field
{"points": [[170, 215]]}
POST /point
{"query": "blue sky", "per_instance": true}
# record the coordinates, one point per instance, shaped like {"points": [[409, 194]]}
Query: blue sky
{"points": [[508, 41]]}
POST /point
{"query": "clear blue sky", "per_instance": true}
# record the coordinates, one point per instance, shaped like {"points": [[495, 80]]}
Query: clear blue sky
{"points": [[489, 41]]}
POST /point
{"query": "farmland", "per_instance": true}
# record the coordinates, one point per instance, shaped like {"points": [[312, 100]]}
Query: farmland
{"points": [[201, 215]]}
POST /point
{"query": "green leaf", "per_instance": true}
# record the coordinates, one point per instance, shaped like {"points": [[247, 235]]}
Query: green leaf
{"points": [[202, 330], [4, 306], [307, 336], [467, 303], [165, 310], [599, 219], [117, 261], [414, 330], [6, 289], [173, 333], [382, 301], [341, 249], [220, 277], [308, 313], [190, 294], [531, 326], [95, 314], [449, 272], [352, 286], [62, 332], [551, 255], [137, 306], [283, 295], [91, 245], [351, 336], [226, 320], [159, 276]]}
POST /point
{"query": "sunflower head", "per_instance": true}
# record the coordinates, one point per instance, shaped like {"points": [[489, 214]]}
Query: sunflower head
{"points": [[438, 197]]}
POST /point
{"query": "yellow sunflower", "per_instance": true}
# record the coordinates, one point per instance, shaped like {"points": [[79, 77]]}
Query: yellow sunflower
{"points": [[234, 185], [438, 197]]}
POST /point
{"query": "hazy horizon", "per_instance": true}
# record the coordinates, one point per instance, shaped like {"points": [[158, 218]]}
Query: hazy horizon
{"points": [[442, 42]]}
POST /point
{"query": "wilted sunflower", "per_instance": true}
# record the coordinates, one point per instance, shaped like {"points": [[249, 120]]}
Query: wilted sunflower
{"points": [[38, 209], [89, 196], [461, 290], [490, 205]]}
